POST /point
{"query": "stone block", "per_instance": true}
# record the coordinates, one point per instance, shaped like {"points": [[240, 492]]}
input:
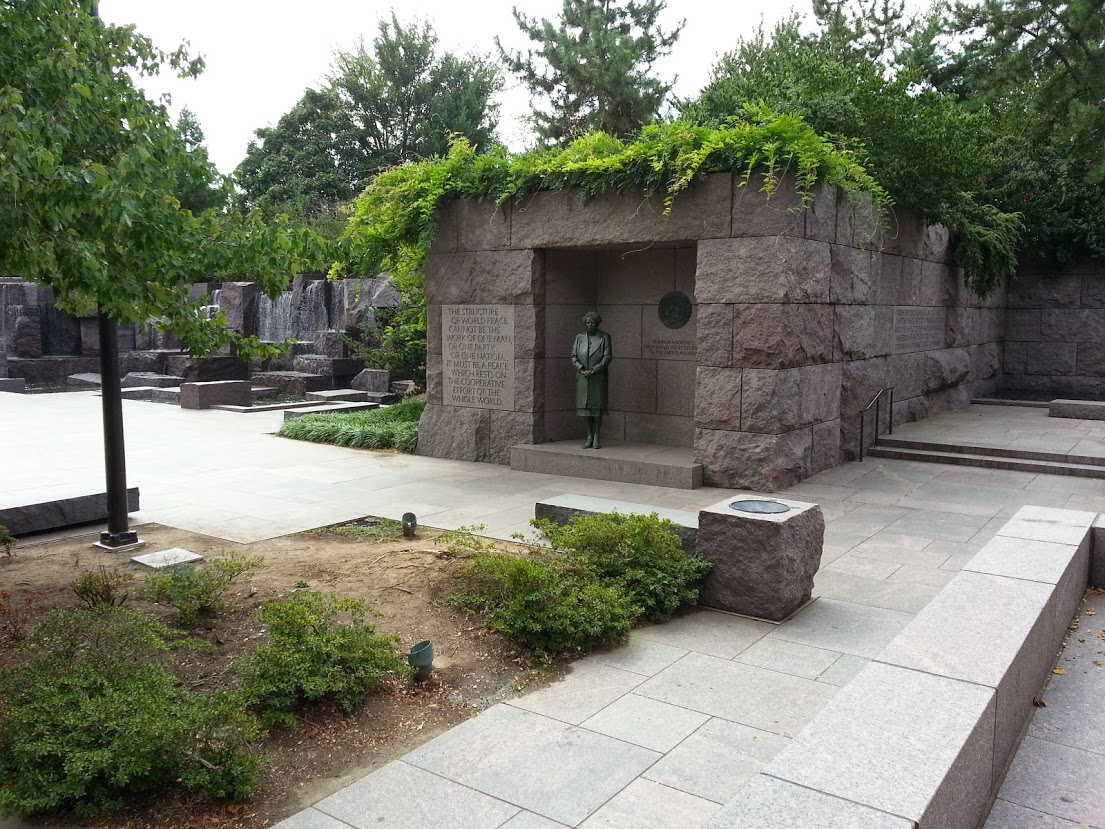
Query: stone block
{"points": [[934, 279], [146, 378], [295, 383], [61, 333], [167, 558], [565, 219], [634, 278], [773, 402], [1003, 629], [1051, 358], [1077, 409], [714, 334], [852, 279], [563, 322], [1045, 292], [632, 385], [87, 380], [13, 385], [238, 301], [857, 222], [778, 269], [372, 379], [1015, 357], [571, 277], [782, 336], [207, 369], [338, 396], [889, 277], [68, 510], [331, 344], [666, 430], [529, 332], [904, 742], [945, 368], [686, 263], [472, 225], [675, 388], [764, 564], [913, 285], [508, 277], [1022, 325], [509, 429], [755, 213], [50, 370], [957, 326], [985, 360], [769, 803], [662, 343], [621, 322], [717, 400], [906, 234], [327, 366], [1069, 325], [1090, 359], [215, 393], [934, 243], [764, 463], [25, 336], [434, 383], [862, 331], [455, 432], [529, 385], [821, 213], [826, 446]]}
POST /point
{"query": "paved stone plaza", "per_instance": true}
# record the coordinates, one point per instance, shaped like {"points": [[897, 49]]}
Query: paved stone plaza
{"points": [[664, 730]]}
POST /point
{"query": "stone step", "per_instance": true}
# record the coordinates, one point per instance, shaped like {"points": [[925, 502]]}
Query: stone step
{"points": [[1076, 470], [1002, 401], [338, 395], [993, 451], [292, 414], [631, 463]]}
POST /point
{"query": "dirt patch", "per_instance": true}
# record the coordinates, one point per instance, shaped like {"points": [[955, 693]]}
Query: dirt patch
{"points": [[404, 579]]}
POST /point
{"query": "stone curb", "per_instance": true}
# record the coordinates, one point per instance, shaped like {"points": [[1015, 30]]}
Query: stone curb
{"points": [[922, 736], [85, 508]]}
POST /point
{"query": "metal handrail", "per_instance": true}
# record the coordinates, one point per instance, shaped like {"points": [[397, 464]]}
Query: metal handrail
{"points": [[876, 401]]}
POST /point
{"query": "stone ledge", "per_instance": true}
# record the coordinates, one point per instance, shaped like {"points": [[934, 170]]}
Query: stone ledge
{"points": [[563, 508], [13, 385], [634, 463], [312, 408], [84, 508], [925, 733], [1077, 409]]}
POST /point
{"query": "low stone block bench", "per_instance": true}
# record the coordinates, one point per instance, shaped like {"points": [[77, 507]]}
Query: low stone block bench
{"points": [[1077, 409], [22, 517], [13, 385], [150, 379], [923, 735], [296, 383], [563, 508], [216, 393], [312, 408]]}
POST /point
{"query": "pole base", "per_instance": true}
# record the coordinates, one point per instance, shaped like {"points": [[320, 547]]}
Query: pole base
{"points": [[122, 542]]}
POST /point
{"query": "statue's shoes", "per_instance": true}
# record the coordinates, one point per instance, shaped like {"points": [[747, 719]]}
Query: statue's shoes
{"points": [[588, 444]]}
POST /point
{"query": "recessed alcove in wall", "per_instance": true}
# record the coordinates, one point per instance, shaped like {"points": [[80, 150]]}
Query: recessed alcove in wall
{"points": [[652, 376]]}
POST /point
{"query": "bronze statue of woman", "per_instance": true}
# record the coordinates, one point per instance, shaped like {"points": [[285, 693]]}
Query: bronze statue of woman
{"points": [[591, 355]]}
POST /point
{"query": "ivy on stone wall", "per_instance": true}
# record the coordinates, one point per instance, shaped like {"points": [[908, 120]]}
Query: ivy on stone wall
{"points": [[394, 220]]}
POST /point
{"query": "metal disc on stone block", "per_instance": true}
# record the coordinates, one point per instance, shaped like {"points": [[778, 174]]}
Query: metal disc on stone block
{"points": [[674, 309], [762, 507]]}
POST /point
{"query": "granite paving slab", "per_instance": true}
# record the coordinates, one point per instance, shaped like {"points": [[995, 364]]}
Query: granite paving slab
{"points": [[717, 760], [640, 656], [1059, 780], [845, 627], [1006, 815], [644, 804], [768, 803], [707, 631], [586, 690], [557, 770], [646, 722]]}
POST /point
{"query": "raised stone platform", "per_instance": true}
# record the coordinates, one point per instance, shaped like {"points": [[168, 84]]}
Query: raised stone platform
{"points": [[632, 463], [338, 396], [923, 735], [1077, 409], [13, 385], [66, 510]]}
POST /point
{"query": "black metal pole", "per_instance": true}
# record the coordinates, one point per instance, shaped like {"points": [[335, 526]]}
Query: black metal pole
{"points": [[118, 532]]}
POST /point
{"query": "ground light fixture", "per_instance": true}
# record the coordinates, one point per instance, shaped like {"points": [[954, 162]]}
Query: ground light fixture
{"points": [[410, 524], [421, 658], [757, 505]]}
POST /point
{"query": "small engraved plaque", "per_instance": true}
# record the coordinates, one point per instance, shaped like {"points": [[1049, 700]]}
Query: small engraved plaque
{"points": [[477, 354], [918, 329], [674, 309]]}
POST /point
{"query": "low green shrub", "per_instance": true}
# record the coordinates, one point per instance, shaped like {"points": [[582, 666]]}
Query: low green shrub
{"points": [[392, 427], [379, 528], [94, 716], [193, 591], [322, 647], [547, 605], [102, 587], [641, 553], [599, 575]]}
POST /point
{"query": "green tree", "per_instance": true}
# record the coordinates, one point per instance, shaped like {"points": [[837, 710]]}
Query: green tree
{"points": [[1038, 67], [398, 101], [206, 193], [854, 79], [89, 170], [593, 67]]}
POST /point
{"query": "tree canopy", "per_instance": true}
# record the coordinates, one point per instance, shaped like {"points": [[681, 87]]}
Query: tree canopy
{"points": [[89, 171], [593, 68], [398, 101]]}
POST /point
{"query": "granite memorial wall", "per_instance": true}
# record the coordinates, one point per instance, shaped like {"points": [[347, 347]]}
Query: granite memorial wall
{"points": [[799, 315]]}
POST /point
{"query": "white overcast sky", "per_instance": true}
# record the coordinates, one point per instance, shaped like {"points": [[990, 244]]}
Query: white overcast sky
{"points": [[262, 55]]}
